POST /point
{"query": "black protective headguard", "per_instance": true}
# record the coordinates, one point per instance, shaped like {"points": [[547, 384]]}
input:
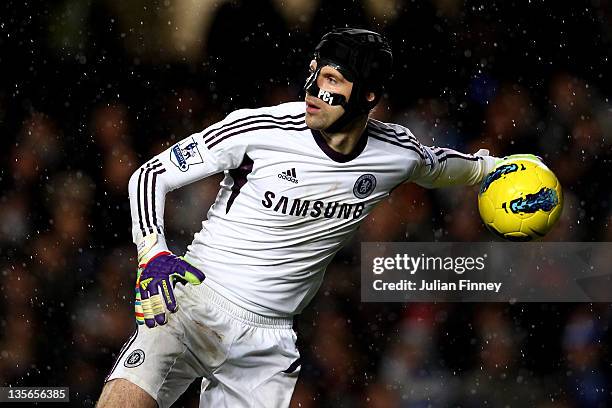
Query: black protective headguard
{"points": [[363, 57]]}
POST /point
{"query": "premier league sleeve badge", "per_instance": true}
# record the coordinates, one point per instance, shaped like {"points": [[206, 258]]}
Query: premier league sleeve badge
{"points": [[185, 153]]}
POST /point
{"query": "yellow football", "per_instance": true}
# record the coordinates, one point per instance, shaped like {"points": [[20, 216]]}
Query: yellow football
{"points": [[520, 200]]}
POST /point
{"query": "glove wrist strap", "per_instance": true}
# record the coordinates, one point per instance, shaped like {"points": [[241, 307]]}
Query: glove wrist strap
{"points": [[150, 246]]}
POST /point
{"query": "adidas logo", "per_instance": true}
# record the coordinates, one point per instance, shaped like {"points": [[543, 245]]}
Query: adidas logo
{"points": [[289, 175]]}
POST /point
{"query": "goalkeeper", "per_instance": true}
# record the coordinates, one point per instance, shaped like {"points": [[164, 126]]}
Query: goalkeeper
{"points": [[300, 178]]}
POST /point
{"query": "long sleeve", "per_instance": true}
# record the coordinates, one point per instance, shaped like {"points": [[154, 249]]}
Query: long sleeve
{"points": [[447, 167], [189, 160]]}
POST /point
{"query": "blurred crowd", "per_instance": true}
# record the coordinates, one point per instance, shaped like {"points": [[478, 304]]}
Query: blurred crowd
{"points": [[92, 89]]}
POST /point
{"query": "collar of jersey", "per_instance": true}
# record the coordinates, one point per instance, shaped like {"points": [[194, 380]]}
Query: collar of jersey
{"points": [[337, 156]]}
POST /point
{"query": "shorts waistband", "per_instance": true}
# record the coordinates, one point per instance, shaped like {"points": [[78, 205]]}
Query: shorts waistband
{"points": [[240, 313]]}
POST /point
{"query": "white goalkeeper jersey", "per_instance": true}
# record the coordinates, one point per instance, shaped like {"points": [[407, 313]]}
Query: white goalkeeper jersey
{"points": [[288, 202]]}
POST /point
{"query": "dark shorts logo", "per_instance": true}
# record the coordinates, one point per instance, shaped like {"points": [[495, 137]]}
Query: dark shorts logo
{"points": [[135, 359], [185, 153], [364, 186]]}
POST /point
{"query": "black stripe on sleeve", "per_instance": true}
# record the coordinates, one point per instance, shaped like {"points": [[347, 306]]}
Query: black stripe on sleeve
{"points": [[393, 139], [154, 219], [439, 151], [138, 200], [145, 186], [443, 153], [256, 121], [409, 147], [380, 126], [280, 127], [146, 204], [239, 122], [459, 156], [397, 138]]}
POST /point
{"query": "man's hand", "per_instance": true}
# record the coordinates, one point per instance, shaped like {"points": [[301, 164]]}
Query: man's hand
{"points": [[155, 280]]}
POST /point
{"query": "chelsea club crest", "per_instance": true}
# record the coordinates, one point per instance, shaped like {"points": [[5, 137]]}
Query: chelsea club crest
{"points": [[135, 359], [364, 186]]}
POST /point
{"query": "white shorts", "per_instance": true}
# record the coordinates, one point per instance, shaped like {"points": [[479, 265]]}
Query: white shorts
{"points": [[245, 359]]}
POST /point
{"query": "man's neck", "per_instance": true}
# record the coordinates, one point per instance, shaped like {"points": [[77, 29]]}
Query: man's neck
{"points": [[345, 141]]}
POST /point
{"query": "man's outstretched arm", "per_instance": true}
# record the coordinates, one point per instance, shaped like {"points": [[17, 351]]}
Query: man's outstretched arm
{"points": [[447, 167]]}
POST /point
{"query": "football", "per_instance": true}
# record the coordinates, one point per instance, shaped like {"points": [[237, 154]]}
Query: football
{"points": [[520, 200]]}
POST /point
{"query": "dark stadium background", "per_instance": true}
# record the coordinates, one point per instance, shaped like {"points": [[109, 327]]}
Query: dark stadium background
{"points": [[89, 90]]}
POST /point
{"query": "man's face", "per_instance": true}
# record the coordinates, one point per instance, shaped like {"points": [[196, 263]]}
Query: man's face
{"points": [[320, 115]]}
